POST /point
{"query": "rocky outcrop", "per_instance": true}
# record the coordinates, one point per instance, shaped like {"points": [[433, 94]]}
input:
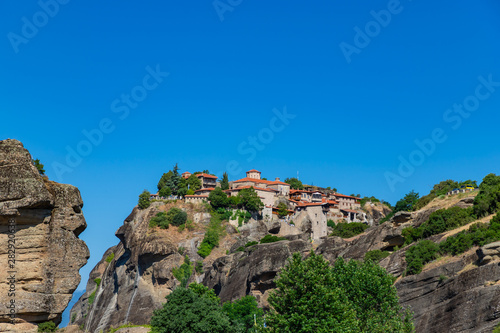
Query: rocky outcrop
{"points": [[375, 211], [48, 218]]}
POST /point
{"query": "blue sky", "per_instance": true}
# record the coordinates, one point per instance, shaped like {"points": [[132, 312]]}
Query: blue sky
{"points": [[355, 118]]}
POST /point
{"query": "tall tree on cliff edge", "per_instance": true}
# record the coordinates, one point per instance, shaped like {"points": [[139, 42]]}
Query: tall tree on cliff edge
{"points": [[224, 184]]}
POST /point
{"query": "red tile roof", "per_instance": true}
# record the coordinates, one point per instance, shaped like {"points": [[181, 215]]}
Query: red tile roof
{"points": [[299, 191], [256, 188], [196, 196], [253, 170], [206, 176], [346, 196], [262, 181], [205, 189], [306, 204]]}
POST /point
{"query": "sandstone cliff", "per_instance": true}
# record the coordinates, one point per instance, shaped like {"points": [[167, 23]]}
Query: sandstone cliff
{"points": [[48, 218], [454, 294]]}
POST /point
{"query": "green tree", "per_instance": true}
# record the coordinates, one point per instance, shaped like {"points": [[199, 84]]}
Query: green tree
{"points": [[47, 327], [165, 192], [164, 179], [406, 204], [218, 198], [282, 209], [176, 216], [39, 166], [201, 290], [185, 312], [245, 314], [294, 183], [183, 272], [224, 183], [174, 181], [488, 200], [194, 183], [351, 296], [144, 201], [250, 200]]}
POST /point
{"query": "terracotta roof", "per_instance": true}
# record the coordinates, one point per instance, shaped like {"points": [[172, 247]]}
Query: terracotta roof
{"points": [[262, 181], [204, 175], [332, 202], [256, 188], [306, 204], [185, 173], [349, 210], [345, 196], [300, 191], [253, 170], [205, 189], [196, 196]]}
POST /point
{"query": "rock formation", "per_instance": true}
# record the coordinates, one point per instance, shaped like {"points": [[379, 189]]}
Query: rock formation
{"points": [[47, 218]]}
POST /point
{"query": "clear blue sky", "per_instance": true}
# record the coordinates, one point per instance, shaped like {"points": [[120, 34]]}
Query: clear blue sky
{"points": [[352, 120]]}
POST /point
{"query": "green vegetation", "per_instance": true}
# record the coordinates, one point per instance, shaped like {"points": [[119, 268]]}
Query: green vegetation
{"points": [[199, 267], [113, 330], [224, 183], [73, 318], [218, 198], [294, 183], [171, 183], [250, 200], [175, 216], [212, 235], [144, 200], [184, 272], [92, 298], [366, 199], [188, 311], [376, 255], [47, 327], [439, 221], [311, 296], [425, 251], [497, 329], [242, 248], [347, 230], [282, 209], [110, 257], [330, 223], [441, 189], [39, 166], [241, 314], [97, 281], [270, 239], [488, 200], [405, 204]]}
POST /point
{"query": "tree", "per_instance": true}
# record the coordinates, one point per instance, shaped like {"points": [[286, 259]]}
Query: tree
{"points": [[144, 201], [39, 166], [311, 296], [218, 198], [185, 311], [224, 183], [244, 314], [250, 200], [201, 290], [176, 216], [282, 209], [406, 204], [183, 272], [164, 179], [165, 192], [294, 183], [194, 183], [174, 180]]}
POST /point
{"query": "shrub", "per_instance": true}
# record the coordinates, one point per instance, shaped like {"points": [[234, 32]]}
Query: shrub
{"points": [[160, 220], [376, 255], [110, 257], [183, 272], [144, 200], [73, 318], [251, 243], [47, 327], [190, 225], [347, 230], [212, 235], [176, 216], [181, 250], [97, 281], [488, 199], [270, 239], [330, 224], [420, 254], [91, 298], [199, 267], [205, 249]]}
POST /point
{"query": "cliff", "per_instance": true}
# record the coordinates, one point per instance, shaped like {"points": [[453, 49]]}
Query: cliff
{"points": [[452, 294], [40, 221]]}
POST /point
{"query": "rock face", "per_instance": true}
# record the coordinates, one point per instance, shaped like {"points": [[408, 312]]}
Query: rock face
{"points": [[48, 254]]}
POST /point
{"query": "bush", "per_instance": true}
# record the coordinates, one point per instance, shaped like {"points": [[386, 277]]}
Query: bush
{"points": [[205, 249], [110, 257], [347, 230], [47, 327], [176, 216], [144, 201], [488, 199], [91, 298], [419, 254], [251, 243], [183, 272], [376, 255], [270, 239], [212, 235], [199, 267], [97, 281], [330, 224], [160, 220]]}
